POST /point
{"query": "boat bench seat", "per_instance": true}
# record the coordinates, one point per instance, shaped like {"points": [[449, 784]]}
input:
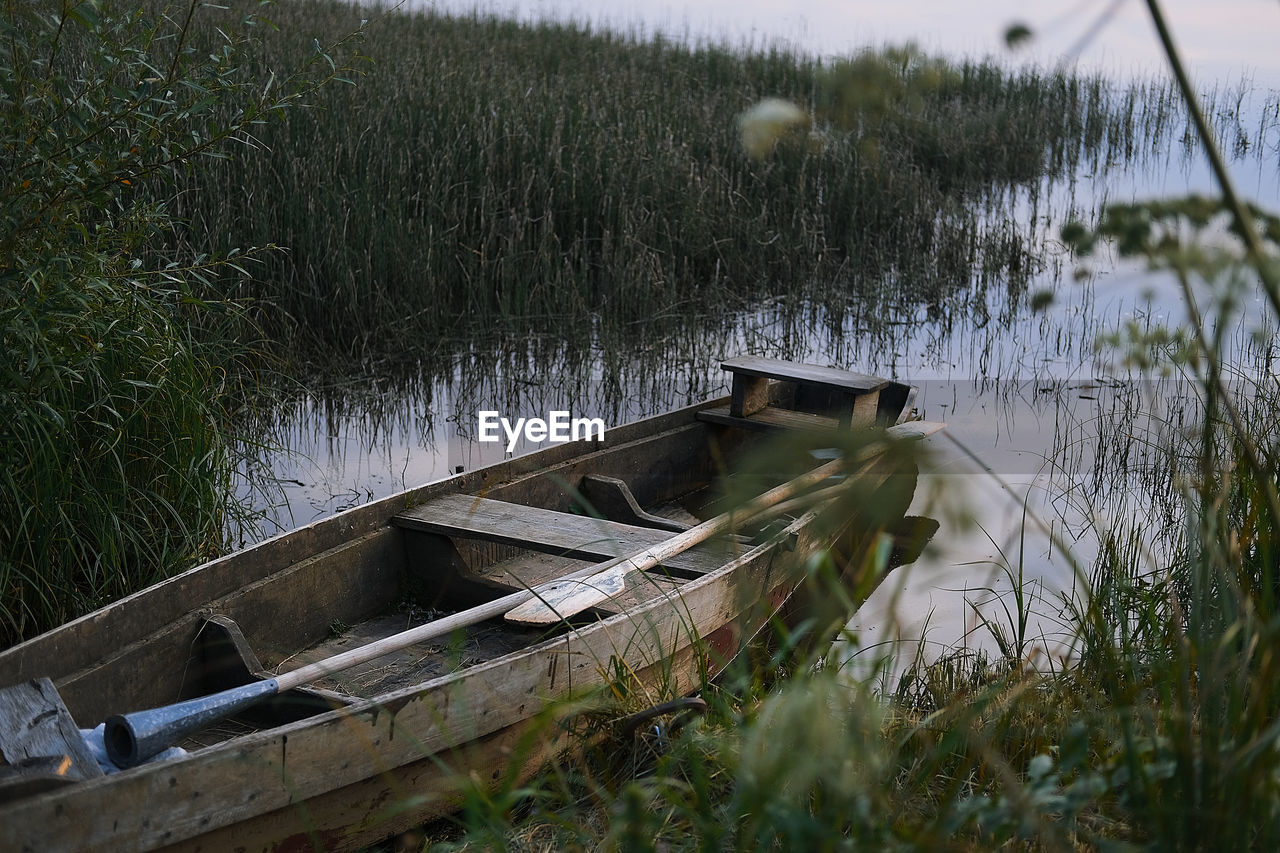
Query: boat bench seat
{"points": [[769, 394], [551, 532]]}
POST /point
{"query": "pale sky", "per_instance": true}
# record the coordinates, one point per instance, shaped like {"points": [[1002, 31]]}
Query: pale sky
{"points": [[1219, 38]]}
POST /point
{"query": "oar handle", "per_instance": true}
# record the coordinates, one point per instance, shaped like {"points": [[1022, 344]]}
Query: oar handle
{"points": [[133, 738], [419, 634]]}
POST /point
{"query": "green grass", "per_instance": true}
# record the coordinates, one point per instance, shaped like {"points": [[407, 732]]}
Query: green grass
{"points": [[119, 361]]}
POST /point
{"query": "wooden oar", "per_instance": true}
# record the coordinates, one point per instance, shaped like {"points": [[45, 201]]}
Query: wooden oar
{"points": [[559, 599], [565, 597], [568, 596], [133, 738]]}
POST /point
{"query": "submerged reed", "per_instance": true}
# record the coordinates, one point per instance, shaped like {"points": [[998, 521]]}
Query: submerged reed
{"points": [[551, 180]]}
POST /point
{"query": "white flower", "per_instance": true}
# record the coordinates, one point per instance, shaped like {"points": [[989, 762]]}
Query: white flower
{"points": [[764, 123]]}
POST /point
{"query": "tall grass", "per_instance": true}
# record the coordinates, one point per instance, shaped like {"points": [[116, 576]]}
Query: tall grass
{"points": [[487, 176], [117, 358]]}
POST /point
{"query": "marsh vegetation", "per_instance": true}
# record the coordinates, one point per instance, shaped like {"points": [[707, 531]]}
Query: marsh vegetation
{"points": [[488, 202], [486, 179]]}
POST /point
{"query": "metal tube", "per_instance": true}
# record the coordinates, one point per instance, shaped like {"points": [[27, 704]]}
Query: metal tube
{"points": [[133, 738]]}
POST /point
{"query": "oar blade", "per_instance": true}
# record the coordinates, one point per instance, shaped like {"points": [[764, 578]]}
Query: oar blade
{"points": [[560, 599]]}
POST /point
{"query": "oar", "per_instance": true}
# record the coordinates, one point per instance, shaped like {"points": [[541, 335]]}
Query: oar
{"points": [[567, 596], [559, 599], [133, 738]]}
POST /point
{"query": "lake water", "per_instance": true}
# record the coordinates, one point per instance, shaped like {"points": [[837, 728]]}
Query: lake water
{"points": [[1223, 40], [1021, 391]]}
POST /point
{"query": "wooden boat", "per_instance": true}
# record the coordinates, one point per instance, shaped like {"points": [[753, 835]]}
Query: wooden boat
{"points": [[370, 751]]}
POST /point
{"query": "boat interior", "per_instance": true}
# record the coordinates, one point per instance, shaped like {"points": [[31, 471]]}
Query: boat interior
{"points": [[461, 550]]}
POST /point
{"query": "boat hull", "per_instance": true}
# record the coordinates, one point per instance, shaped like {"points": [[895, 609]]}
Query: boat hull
{"points": [[342, 776]]}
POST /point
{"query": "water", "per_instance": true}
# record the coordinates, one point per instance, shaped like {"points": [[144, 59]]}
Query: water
{"points": [[1219, 41], [1029, 405]]}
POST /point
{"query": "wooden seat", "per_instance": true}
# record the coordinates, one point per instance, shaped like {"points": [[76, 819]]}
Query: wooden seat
{"points": [[769, 394], [551, 532]]}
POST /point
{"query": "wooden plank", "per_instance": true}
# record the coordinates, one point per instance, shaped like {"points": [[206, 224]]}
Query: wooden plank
{"points": [[861, 411], [750, 394], [529, 570], [37, 732], [365, 813], [468, 587], [550, 532], [773, 419], [412, 664], [810, 374]]}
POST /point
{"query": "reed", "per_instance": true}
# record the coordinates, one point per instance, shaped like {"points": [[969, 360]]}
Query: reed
{"points": [[489, 178], [118, 358]]}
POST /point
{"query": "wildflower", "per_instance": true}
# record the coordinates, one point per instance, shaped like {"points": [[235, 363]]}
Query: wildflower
{"points": [[765, 123]]}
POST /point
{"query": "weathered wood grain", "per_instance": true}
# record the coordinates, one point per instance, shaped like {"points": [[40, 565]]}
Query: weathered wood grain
{"points": [[551, 532], [771, 419], [37, 731], [749, 395], [809, 374]]}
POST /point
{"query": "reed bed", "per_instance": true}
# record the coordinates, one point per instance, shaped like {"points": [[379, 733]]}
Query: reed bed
{"points": [[485, 177], [119, 360]]}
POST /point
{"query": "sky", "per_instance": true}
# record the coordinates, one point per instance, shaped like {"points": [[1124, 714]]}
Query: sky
{"points": [[1220, 39]]}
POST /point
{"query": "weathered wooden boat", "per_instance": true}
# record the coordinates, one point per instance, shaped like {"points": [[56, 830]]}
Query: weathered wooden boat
{"points": [[370, 750]]}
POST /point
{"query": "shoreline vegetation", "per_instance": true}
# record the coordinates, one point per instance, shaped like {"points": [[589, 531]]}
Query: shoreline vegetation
{"points": [[547, 180], [548, 183]]}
